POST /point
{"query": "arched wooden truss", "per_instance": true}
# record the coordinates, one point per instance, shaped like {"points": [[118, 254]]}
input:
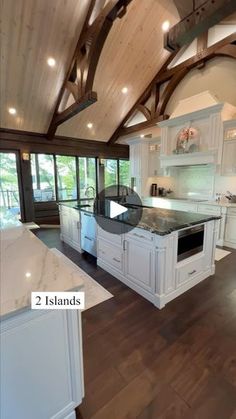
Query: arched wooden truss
{"points": [[80, 76], [155, 112]]}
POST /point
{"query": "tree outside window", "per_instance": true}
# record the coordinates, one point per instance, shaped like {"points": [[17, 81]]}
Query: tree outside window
{"points": [[9, 189], [43, 177], [87, 177], [124, 172], [66, 178]]}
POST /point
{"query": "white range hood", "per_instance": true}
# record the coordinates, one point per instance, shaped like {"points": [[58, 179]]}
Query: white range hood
{"points": [[189, 159], [204, 113]]}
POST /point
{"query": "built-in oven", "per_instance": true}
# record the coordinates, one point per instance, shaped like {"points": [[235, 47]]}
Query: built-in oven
{"points": [[190, 242]]}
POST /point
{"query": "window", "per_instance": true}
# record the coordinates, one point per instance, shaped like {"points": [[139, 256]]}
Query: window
{"points": [[66, 178], [43, 178], [87, 177], [9, 188], [124, 175], [111, 175]]}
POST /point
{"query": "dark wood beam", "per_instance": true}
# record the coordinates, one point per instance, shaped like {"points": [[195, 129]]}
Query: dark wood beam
{"points": [[32, 142], [199, 21], [80, 104], [150, 89], [142, 125], [144, 110], [170, 89], [205, 55], [225, 47], [80, 75]]}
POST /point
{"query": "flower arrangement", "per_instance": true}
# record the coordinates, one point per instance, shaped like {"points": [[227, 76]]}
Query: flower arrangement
{"points": [[183, 138]]}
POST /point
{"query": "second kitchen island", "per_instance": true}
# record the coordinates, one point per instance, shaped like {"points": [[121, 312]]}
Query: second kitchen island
{"points": [[166, 254]]}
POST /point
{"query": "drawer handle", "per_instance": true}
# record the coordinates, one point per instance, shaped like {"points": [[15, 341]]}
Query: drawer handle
{"points": [[88, 238], [139, 235], [193, 272], [116, 260], [87, 215]]}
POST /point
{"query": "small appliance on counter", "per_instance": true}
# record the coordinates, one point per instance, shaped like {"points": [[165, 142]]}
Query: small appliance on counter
{"points": [[161, 191], [154, 189], [231, 198]]}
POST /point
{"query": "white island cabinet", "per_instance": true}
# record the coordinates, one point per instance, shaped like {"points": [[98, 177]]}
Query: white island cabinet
{"points": [[148, 263], [70, 226], [41, 364]]}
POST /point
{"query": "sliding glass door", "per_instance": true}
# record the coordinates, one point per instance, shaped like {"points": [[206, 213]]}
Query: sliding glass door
{"points": [[9, 185]]}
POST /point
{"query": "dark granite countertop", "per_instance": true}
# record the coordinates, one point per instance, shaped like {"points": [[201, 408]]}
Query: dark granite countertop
{"points": [[156, 220]]}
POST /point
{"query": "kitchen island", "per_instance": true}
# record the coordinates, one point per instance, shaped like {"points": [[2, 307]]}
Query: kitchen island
{"points": [[161, 257], [41, 350]]}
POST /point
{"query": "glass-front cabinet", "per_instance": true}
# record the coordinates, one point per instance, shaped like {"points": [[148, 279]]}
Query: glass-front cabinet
{"points": [[228, 167]]}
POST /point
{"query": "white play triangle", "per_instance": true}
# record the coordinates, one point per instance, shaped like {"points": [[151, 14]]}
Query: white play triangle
{"points": [[116, 209]]}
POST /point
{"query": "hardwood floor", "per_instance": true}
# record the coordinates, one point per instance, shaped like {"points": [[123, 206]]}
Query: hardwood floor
{"points": [[145, 363]]}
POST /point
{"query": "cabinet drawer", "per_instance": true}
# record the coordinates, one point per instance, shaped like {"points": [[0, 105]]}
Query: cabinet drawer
{"points": [[113, 255], [113, 238], [231, 211], [186, 272], [140, 234], [208, 209]]}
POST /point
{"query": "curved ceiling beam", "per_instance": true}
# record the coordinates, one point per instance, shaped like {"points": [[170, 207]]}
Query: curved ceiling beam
{"points": [[168, 91], [226, 47], [84, 63], [144, 110]]}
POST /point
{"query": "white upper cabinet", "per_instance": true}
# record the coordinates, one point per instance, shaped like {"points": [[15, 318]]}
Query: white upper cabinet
{"points": [[139, 154], [195, 137], [229, 149], [154, 165]]}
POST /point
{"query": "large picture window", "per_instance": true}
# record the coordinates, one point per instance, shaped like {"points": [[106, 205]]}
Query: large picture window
{"points": [[124, 174], [111, 176], [66, 177], [9, 188], [87, 177], [43, 177]]}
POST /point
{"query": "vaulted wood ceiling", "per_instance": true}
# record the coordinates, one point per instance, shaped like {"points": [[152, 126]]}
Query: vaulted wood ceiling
{"points": [[33, 30]]}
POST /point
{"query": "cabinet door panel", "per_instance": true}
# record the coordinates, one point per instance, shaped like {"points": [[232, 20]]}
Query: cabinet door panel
{"points": [[111, 254], [230, 230], [135, 269], [229, 158]]}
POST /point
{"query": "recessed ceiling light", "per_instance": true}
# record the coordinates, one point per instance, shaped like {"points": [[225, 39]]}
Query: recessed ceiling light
{"points": [[12, 111], [28, 274], [51, 62], [142, 136], [124, 90], [165, 25], [90, 125]]}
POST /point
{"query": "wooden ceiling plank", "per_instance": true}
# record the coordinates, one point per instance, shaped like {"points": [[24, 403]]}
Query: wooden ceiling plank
{"points": [[87, 54], [199, 21]]}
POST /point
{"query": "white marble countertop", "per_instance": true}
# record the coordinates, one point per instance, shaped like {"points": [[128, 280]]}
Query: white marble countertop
{"points": [[29, 265], [192, 201]]}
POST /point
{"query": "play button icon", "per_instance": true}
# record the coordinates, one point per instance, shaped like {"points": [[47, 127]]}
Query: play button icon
{"points": [[116, 209]]}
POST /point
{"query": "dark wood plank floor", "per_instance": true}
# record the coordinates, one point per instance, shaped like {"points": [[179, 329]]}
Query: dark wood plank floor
{"points": [[144, 363]]}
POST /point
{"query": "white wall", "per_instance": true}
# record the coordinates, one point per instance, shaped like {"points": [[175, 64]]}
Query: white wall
{"points": [[225, 183], [218, 76]]}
